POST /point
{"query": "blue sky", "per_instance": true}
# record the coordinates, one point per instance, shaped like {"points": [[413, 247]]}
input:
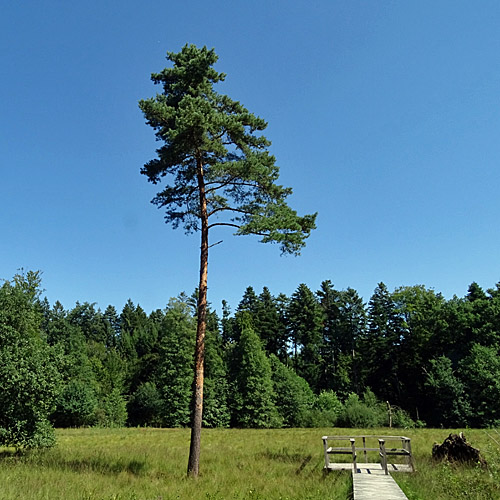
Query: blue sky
{"points": [[384, 117]]}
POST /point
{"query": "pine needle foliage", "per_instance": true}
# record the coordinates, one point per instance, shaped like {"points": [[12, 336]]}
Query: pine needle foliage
{"points": [[199, 126]]}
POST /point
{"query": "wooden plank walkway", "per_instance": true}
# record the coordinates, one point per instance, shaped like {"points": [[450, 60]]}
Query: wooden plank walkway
{"points": [[371, 483], [378, 486]]}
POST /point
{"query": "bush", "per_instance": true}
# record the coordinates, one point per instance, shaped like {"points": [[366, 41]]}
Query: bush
{"points": [[325, 411], [401, 419], [144, 407], [76, 405], [366, 413], [112, 410]]}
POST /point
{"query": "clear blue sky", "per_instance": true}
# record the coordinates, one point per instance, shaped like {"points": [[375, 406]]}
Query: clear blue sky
{"points": [[384, 117]]}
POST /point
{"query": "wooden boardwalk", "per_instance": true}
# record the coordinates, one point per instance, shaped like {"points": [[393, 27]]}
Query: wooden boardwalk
{"points": [[370, 482], [376, 486]]}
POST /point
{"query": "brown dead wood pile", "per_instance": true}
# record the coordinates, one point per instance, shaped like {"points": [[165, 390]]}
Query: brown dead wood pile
{"points": [[456, 449]]}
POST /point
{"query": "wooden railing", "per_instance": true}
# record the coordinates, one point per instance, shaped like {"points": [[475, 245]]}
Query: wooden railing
{"points": [[383, 451]]}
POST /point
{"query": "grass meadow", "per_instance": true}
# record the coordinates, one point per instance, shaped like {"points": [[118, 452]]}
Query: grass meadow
{"points": [[278, 464]]}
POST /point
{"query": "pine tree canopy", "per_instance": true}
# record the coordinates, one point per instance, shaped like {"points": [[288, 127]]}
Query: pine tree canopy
{"points": [[210, 140]]}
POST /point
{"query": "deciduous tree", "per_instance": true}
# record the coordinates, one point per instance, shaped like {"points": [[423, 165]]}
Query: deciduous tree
{"points": [[28, 374]]}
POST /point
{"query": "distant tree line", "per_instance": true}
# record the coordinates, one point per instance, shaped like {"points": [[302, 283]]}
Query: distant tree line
{"points": [[408, 357]]}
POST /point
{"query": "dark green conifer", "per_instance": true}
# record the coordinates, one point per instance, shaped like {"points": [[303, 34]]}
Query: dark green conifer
{"points": [[293, 397], [175, 365], [305, 322], [252, 394], [268, 324]]}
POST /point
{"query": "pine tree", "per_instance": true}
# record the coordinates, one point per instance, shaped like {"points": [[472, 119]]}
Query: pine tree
{"points": [[222, 176], [249, 302], [330, 351], [483, 316], [282, 303], [228, 324], [112, 322], [344, 324], [247, 308]]}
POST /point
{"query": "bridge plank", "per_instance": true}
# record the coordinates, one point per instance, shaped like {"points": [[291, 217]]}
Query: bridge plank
{"points": [[376, 487]]}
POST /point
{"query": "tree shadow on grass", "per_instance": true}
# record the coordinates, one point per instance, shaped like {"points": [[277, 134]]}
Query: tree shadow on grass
{"points": [[98, 463], [283, 455], [7, 454], [101, 465]]}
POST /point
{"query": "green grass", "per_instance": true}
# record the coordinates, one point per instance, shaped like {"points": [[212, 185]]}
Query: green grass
{"points": [[286, 464], [444, 481]]}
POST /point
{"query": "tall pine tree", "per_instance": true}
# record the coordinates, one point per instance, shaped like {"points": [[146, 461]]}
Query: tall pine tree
{"points": [[221, 175]]}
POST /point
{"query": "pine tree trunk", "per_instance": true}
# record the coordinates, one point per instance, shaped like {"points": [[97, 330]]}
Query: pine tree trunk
{"points": [[199, 355]]}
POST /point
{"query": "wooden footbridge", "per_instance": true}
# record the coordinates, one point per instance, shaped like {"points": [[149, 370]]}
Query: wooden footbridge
{"points": [[371, 480]]}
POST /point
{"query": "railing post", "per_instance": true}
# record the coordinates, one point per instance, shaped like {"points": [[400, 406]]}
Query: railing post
{"points": [[383, 455], [410, 455], [364, 447], [353, 448], [325, 446], [404, 445]]}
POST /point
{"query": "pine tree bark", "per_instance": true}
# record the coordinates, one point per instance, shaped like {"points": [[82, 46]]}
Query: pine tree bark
{"points": [[199, 355]]}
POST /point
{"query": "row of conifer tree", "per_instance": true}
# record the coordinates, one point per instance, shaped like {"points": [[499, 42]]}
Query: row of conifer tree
{"points": [[407, 357]]}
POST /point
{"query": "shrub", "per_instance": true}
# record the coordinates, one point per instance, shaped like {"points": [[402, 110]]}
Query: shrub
{"points": [[112, 410], [325, 412], [76, 405], [144, 407], [366, 413], [401, 419]]}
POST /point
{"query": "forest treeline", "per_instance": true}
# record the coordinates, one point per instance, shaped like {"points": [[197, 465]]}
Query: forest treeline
{"points": [[407, 357]]}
